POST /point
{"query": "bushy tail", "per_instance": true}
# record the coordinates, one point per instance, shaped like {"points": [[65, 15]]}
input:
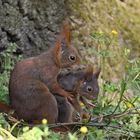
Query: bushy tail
{"points": [[5, 108]]}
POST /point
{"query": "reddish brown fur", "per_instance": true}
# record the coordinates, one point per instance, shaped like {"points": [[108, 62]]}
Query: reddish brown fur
{"points": [[5, 108], [33, 81]]}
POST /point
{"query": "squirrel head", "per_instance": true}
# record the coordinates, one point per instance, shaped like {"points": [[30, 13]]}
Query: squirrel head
{"points": [[83, 82], [89, 87], [64, 53]]}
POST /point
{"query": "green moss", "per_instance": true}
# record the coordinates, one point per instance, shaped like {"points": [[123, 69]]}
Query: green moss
{"points": [[90, 16]]}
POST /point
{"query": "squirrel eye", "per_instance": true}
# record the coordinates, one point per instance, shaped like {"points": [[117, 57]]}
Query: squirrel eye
{"points": [[89, 89], [72, 57]]}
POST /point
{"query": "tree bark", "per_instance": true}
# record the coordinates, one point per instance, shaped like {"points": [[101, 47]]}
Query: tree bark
{"points": [[31, 24]]}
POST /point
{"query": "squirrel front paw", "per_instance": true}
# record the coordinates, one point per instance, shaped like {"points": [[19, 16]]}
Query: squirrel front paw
{"points": [[68, 96]]}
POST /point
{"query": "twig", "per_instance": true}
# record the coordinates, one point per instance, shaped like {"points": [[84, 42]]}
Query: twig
{"points": [[93, 124], [122, 129], [100, 125], [75, 123], [117, 115]]}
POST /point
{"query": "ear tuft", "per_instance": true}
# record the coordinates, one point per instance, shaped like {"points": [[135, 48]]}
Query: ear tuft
{"points": [[89, 72], [66, 33], [90, 69], [57, 53], [96, 74]]}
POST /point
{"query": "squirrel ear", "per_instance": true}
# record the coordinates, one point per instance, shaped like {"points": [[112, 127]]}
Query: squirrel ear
{"points": [[57, 52], [96, 74], [89, 73], [66, 34]]}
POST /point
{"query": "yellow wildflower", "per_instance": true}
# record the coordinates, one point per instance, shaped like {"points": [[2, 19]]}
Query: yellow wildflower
{"points": [[129, 105], [81, 104], [114, 32], [83, 129], [44, 121]]}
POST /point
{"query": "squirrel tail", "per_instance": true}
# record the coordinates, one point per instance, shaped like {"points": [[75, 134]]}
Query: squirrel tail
{"points": [[5, 108]]}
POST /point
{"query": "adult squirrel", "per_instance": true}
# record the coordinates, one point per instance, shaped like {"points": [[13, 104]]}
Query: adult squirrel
{"points": [[83, 84], [34, 79]]}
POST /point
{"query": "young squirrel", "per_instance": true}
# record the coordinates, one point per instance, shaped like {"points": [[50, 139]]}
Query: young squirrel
{"points": [[34, 79], [83, 84]]}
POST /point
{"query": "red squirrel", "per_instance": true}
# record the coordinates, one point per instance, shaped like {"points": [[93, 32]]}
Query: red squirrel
{"points": [[83, 84], [33, 81], [78, 83]]}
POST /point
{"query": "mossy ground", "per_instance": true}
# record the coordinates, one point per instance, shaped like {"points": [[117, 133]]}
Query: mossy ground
{"points": [[90, 16]]}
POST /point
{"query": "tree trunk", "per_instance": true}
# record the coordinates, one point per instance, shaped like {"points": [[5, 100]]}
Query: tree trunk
{"points": [[31, 24]]}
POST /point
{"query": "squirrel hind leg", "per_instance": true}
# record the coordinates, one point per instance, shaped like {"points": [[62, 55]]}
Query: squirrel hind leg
{"points": [[65, 110], [48, 110], [36, 102]]}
